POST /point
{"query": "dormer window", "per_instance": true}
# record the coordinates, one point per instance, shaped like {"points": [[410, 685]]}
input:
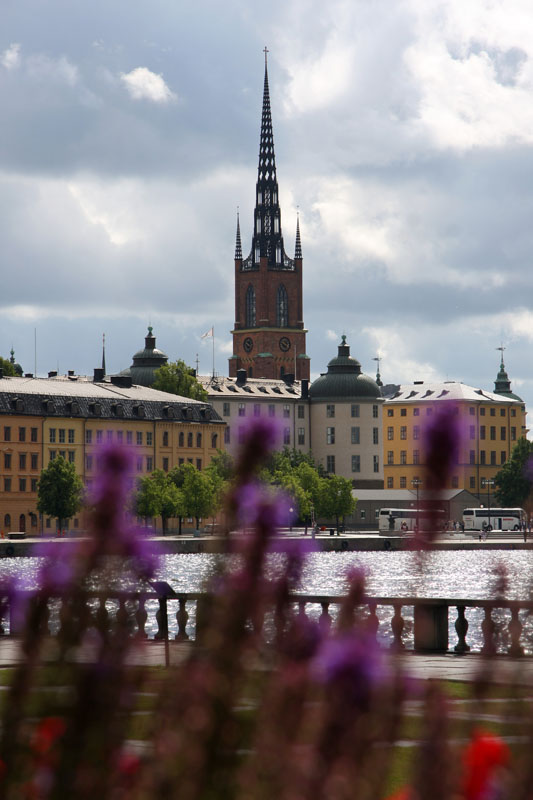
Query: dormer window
{"points": [[138, 411], [96, 409]]}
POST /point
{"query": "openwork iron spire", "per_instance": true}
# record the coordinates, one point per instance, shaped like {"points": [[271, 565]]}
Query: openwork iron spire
{"points": [[298, 246], [267, 240], [238, 246]]}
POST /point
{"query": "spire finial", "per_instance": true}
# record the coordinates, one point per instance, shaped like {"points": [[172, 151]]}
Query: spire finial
{"points": [[103, 353], [298, 245], [501, 348], [266, 51], [238, 246], [378, 376]]}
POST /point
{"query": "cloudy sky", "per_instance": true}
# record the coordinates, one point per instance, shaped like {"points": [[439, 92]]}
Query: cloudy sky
{"points": [[403, 132]]}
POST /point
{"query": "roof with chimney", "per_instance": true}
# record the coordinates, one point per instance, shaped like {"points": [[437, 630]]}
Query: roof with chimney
{"points": [[256, 388], [79, 396]]}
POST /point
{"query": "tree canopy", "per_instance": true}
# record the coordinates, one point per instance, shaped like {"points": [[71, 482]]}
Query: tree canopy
{"points": [[60, 490], [514, 481], [157, 496], [7, 367], [177, 378]]}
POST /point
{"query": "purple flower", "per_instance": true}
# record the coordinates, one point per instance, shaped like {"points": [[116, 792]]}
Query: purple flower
{"points": [[351, 664], [261, 435], [442, 439], [257, 504]]}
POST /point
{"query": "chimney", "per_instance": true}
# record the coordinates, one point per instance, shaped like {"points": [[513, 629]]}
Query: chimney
{"points": [[98, 375], [52, 373], [241, 377], [1, 373], [28, 374], [305, 388], [70, 373], [288, 377]]}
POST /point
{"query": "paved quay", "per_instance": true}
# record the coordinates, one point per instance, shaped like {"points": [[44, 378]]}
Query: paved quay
{"points": [[468, 667], [324, 541]]}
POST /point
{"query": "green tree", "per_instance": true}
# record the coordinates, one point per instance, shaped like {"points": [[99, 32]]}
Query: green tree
{"points": [[335, 498], [158, 496], [177, 378], [7, 367], [198, 493], [514, 481], [60, 490]]}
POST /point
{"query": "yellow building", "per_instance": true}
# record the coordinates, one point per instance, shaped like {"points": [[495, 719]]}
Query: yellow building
{"points": [[42, 418], [490, 424]]}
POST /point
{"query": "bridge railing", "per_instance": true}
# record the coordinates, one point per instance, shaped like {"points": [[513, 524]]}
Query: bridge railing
{"points": [[433, 625]]}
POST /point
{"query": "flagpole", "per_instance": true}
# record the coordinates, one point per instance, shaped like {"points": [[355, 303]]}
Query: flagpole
{"points": [[213, 352]]}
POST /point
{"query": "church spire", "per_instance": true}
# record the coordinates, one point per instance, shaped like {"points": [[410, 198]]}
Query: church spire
{"points": [[267, 240], [238, 246], [298, 245]]}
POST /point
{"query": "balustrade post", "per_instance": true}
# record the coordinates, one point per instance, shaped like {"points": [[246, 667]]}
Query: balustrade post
{"points": [[162, 619], [461, 628], [182, 617], [141, 616], [488, 627], [515, 630], [397, 625]]}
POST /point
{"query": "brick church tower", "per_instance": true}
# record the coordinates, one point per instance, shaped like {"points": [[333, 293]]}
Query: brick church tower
{"points": [[269, 333]]}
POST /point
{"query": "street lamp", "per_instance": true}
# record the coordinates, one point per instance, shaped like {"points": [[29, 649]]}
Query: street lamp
{"points": [[417, 483], [488, 482]]}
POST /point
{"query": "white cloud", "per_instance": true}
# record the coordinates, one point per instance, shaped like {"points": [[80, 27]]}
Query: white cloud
{"points": [[11, 56], [142, 84], [57, 70]]}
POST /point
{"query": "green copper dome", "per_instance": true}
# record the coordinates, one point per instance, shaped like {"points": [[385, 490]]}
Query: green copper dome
{"points": [[146, 362], [344, 379]]}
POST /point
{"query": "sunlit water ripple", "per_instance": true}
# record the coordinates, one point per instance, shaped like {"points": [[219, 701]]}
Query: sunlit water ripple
{"points": [[456, 574]]}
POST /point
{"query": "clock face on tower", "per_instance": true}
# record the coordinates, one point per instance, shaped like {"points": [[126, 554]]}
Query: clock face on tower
{"points": [[248, 344], [284, 344]]}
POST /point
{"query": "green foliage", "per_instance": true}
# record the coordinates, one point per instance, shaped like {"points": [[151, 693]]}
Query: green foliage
{"points": [[157, 496], [514, 481], [335, 497], [177, 378], [7, 367], [60, 490]]}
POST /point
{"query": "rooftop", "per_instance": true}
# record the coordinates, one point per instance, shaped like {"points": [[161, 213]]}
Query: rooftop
{"points": [[420, 391]]}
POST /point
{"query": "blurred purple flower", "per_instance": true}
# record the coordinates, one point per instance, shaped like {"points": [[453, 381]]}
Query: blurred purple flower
{"points": [[259, 504], [261, 435], [303, 639], [351, 664], [443, 435]]}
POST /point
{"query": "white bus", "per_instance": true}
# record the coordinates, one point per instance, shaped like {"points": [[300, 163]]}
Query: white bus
{"points": [[499, 519], [406, 520]]}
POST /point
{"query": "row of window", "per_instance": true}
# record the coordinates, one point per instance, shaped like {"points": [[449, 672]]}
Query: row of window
{"points": [[60, 434], [241, 410], [68, 456], [355, 410], [471, 432], [454, 482], [140, 438], [21, 434], [23, 483], [241, 435], [355, 435], [483, 456], [471, 411], [23, 460], [356, 463]]}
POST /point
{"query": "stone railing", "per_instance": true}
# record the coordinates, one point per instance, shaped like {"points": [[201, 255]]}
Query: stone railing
{"points": [[419, 624]]}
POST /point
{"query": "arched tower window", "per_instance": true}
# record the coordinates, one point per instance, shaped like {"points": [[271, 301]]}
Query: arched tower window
{"points": [[250, 307], [282, 307]]}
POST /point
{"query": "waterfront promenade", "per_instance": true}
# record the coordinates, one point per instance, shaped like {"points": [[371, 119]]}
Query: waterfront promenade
{"points": [[351, 541]]}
